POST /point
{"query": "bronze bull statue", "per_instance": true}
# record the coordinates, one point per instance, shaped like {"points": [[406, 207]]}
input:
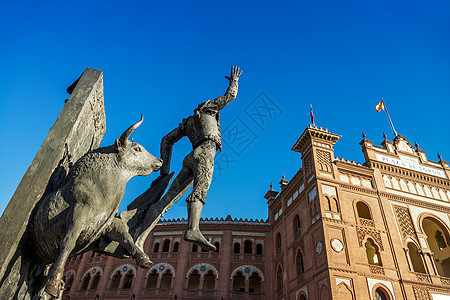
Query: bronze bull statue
{"points": [[74, 218]]}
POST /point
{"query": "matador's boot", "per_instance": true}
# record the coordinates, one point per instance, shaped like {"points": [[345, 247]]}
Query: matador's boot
{"points": [[192, 233]]}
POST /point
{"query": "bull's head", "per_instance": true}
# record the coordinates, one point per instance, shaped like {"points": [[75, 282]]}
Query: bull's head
{"points": [[132, 157]]}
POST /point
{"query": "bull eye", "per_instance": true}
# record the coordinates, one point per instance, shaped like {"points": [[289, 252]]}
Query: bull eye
{"points": [[138, 149]]}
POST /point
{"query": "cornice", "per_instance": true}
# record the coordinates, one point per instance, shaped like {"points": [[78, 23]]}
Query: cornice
{"points": [[416, 202], [316, 132], [353, 167], [422, 177], [358, 188]]}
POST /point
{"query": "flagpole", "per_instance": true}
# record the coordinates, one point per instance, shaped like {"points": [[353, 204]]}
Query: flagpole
{"points": [[389, 118], [312, 116]]}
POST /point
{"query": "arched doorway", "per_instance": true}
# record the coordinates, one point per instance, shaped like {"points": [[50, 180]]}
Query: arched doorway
{"points": [[254, 284], [166, 280], [438, 240], [209, 283], [152, 280], [194, 281]]}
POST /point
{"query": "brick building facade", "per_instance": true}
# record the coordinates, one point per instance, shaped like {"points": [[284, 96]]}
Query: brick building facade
{"points": [[336, 230]]}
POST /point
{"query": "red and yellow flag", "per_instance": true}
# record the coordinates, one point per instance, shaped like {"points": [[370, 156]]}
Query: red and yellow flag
{"points": [[380, 106]]}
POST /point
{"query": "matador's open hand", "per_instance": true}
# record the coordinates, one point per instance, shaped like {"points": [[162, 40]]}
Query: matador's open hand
{"points": [[235, 73]]}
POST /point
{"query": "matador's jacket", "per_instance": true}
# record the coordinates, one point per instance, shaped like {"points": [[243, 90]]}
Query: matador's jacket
{"points": [[202, 125]]}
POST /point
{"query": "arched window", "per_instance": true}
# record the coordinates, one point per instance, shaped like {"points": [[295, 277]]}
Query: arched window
{"points": [[299, 263], [363, 211], [438, 240], [239, 282], [194, 281], [166, 281], [372, 252], [175, 246], [86, 281], [296, 223], [237, 248], [254, 284], [116, 280], [166, 246], [92, 254], [209, 283], [128, 281], [279, 278], [329, 208], [156, 248], [334, 205], [217, 245], [95, 281], [248, 247], [278, 241], [302, 297], [152, 280], [416, 260], [69, 283], [381, 294], [194, 248], [259, 249]]}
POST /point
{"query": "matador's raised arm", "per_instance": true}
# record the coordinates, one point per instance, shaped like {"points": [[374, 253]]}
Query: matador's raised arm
{"points": [[232, 89]]}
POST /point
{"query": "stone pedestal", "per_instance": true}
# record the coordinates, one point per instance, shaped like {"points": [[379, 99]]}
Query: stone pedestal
{"points": [[79, 128]]}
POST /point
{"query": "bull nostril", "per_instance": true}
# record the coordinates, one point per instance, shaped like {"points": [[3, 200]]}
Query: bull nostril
{"points": [[160, 160]]}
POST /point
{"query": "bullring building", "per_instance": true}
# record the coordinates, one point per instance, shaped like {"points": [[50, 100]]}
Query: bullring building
{"points": [[379, 230]]}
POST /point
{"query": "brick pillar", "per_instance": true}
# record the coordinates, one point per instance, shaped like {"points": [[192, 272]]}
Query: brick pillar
{"points": [[106, 279]]}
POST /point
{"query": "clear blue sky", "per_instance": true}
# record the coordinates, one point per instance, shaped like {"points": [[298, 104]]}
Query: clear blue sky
{"points": [[162, 58]]}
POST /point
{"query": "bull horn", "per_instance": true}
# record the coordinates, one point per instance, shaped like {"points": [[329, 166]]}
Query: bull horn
{"points": [[126, 134]]}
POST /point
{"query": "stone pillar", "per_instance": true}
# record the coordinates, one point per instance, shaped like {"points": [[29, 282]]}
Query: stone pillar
{"points": [[433, 264], [424, 259], [408, 259], [79, 128], [158, 282]]}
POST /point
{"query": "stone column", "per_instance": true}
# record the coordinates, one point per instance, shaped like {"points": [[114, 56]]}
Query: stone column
{"points": [[424, 259], [433, 264], [408, 259]]}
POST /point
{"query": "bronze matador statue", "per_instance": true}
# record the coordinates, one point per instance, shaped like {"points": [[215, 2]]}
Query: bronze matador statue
{"points": [[203, 131]]}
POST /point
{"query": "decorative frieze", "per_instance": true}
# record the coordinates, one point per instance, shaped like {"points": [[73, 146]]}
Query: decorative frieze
{"points": [[366, 222], [376, 269], [404, 222], [363, 231], [421, 293]]}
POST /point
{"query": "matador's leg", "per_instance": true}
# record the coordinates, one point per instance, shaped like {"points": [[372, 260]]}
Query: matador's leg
{"points": [[203, 167], [179, 186]]}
